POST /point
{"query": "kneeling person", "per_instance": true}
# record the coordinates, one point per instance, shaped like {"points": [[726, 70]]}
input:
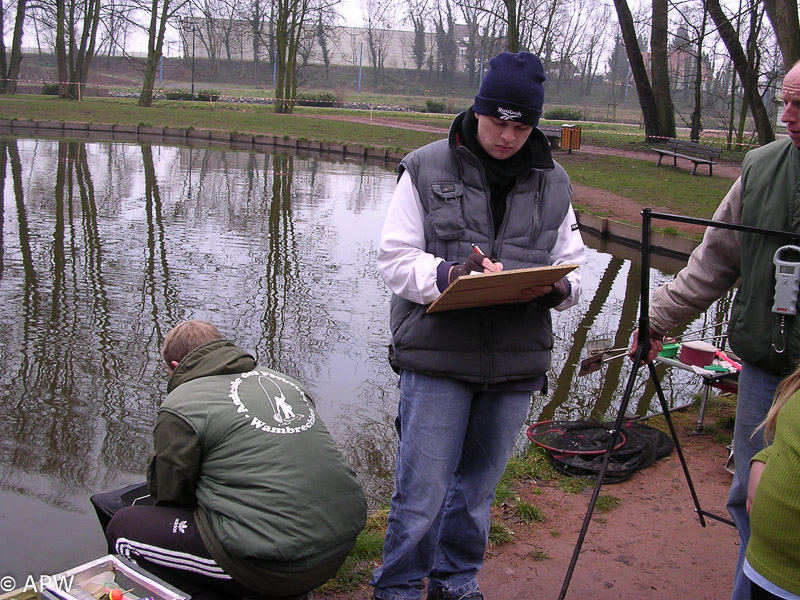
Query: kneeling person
{"points": [[252, 497]]}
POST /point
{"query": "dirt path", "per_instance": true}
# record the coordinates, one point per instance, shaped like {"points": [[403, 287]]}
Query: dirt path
{"points": [[650, 547]]}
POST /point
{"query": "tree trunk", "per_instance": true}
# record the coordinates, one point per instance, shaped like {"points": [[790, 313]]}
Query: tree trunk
{"points": [[11, 65], [155, 47], [659, 68], [647, 101], [746, 72], [85, 52], [513, 25], [61, 49], [783, 16], [697, 113]]}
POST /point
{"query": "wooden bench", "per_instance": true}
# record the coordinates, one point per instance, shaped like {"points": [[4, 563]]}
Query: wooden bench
{"points": [[697, 153], [553, 135]]}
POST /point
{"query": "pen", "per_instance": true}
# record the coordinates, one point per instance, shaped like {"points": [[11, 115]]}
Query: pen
{"points": [[477, 250]]}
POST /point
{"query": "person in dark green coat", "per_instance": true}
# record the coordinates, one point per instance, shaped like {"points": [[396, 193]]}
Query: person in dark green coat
{"points": [[251, 496]]}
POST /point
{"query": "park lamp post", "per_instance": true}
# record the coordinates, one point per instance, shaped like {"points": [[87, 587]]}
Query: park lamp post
{"points": [[194, 28]]}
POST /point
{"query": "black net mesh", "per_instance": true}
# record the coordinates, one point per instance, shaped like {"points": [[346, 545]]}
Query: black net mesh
{"points": [[573, 437], [642, 446]]}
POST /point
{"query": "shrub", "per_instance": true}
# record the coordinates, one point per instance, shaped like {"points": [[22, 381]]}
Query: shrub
{"points": [[562, 113], [177, 95], [207, 95], [50, 89], [319, 99], [434, 106]]}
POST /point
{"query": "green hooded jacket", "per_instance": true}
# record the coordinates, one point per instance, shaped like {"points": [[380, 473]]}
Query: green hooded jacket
{"points": [[245, 445]]}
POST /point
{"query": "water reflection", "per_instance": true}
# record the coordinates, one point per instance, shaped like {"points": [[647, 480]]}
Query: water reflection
{"points": [[102, 257]]}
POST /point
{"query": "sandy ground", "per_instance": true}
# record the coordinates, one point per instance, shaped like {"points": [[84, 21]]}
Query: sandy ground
{"points": [[652, 545]]}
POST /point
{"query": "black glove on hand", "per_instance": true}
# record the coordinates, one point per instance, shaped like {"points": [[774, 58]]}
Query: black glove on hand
{"points": [[557, 296], [473, 263]]}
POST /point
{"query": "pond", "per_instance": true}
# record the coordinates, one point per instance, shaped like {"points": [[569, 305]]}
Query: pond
{"points": [[107, 245]]}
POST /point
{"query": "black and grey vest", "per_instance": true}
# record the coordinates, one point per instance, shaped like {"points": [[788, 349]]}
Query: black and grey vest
{"points": [[482, 345]]}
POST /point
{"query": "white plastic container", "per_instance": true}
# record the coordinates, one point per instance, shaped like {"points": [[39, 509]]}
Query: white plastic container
{"points": [[66, 585]]}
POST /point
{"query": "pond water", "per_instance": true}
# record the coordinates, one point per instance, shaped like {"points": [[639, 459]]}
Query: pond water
{"points": [[107, 245]]}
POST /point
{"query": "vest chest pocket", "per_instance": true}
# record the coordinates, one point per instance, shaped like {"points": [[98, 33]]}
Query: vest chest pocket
{"points": [[445, 210]]}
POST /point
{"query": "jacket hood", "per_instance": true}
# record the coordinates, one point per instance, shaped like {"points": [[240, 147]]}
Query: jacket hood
{"points": [[537, 142], [218, 357]]}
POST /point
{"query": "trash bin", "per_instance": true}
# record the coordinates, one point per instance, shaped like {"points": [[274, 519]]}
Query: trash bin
{"points": [[570, 137]]}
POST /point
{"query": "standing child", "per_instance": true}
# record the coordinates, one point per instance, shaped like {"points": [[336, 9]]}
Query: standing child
{"points": [[466, 376], [772, 560]]}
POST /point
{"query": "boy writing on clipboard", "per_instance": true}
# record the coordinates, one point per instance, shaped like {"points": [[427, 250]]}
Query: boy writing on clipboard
{"points": [[466, 376]]}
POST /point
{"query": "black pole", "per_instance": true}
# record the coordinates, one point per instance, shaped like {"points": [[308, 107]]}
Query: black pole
{"points": [[193, 30], [640, 356]]}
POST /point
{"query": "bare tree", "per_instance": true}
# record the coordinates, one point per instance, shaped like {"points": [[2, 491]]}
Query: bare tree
{"points": [[745, 69], [10, 64], [75, 41], [161, 12], [513, 16], [647, 101], [291, 17], [659, 69], [446, 47], [419, 47], [687, 68], [200, 18], [617, 66], [255, 12], [783, 16], [377, 22]]}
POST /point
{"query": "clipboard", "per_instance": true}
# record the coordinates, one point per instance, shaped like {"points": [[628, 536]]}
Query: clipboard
{"points": [[504, 287]]}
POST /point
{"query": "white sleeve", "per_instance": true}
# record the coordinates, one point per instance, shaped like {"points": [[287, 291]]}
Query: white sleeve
{"points": [[406, 268], [569, 249]]}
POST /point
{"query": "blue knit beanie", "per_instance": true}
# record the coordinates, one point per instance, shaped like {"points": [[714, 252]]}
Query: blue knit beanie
{"points": [[512, 88]]}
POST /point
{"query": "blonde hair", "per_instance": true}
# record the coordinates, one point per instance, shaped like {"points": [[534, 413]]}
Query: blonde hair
{"points": [[786, 389], [185, 337]]}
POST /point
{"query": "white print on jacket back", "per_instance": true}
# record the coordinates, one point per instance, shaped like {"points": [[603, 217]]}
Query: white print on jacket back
{"points": [[283, 417]]}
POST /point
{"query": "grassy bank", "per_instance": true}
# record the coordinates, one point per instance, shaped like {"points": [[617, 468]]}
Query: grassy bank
{"points": [[241, 118], [638, 180]]}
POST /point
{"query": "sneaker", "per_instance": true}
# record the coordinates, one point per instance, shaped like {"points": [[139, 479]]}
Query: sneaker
{"points": [[438, 593]]}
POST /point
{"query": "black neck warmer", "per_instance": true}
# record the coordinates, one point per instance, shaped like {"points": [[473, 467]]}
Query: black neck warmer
{"points": [[501, 175]]}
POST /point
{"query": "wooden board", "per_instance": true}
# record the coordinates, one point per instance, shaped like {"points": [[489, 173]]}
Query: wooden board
{"points": [[505, 287]]}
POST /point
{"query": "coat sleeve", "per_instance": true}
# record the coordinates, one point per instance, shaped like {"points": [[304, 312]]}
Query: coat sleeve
{"points": [[569, 249], [713, 269], [405, 267], [174, 464]]}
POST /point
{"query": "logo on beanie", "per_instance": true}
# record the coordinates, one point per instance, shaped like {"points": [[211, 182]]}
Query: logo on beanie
{"points": [[506, 114]]}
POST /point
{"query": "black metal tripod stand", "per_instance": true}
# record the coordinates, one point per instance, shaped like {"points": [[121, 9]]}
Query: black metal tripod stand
{"points": [[641, 353]]}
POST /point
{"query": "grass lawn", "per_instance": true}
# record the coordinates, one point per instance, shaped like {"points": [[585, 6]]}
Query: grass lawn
{"points": [[647, 184], [638, 180]]}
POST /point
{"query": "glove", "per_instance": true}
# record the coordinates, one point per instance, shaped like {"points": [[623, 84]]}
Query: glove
{"points": [[473, 263], [552, 299]]}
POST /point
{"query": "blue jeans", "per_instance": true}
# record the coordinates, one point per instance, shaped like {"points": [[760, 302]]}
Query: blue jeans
{"points": [[756, 391], [454, 445]]}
